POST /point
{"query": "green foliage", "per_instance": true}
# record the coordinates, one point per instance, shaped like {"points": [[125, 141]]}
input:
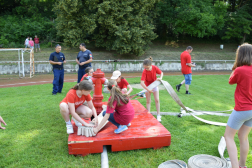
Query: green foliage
{"points": [[123, 26], [196, 18], [239, 24], [16, 29], [4, 41]]}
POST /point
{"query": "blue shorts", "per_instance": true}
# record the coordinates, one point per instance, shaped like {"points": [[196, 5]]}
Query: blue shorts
{"points": [[188, 78], [238, 118]]}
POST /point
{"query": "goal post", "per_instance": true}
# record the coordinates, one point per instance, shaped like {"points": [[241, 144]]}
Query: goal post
{"points": [[8, 58]]}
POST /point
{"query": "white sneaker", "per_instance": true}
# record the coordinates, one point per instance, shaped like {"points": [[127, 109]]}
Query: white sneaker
{"points": [[69, 129], [77, 123], [159, 118]]}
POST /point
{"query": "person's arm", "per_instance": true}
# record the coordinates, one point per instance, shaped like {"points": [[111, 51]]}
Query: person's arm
{"points": [[103, 121], [145, 87], [76, 116], [232, 78], [161, 76], [86, 62], [2, 121], [55, 63], [130, 89], [91, 106], [190, 64]]}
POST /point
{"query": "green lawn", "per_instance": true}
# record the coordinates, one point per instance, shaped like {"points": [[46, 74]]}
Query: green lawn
{"points": [[158, 50], [36, 135]]}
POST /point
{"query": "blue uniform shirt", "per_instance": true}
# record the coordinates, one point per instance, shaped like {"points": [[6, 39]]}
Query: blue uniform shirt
{"points": [[57, 57], [84, 56]]}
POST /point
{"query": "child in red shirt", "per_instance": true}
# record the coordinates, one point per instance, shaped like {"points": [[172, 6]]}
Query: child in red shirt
{"points": [[73, 104], [241, 118], [119, 111], [149, 75], [122, 83], [89, 72]]}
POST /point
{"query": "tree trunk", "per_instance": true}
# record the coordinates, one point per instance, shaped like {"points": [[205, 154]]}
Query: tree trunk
{"points": [[243, 39]]}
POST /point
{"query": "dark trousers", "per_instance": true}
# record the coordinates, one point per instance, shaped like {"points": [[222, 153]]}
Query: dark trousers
{"points": [[58, 80], [81, 72], [111, 119]]}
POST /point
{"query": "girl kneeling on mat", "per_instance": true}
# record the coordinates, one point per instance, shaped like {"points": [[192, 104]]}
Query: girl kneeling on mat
{"points": [[119, 111], [241, 118], [122, 83], [149, 75], [73, 104]]}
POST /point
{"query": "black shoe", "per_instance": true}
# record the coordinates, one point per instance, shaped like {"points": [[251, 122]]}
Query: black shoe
{"points": [[54, 93], [188, 93], [177, 87]]}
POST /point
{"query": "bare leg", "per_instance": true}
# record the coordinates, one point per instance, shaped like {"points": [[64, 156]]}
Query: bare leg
{"points": [[244, 144], [148, 100], [187, 87], [183, 82], [231, 146], [156, 97], [84, 112], [64, 111]]}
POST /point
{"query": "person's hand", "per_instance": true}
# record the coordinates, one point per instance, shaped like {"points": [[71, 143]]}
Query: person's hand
{"points": [[150, 91], [59, 63], [2, 121], [95, 130], [82, 63], [159, 79]]}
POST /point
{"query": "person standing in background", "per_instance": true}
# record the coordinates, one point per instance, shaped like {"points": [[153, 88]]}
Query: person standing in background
{"points": [[186, 65], [26, 42], [31, 43], [84, 59], [36, 40], [57, 59]]}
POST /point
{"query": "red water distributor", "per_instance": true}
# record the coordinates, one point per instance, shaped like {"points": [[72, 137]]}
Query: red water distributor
{"points": [[98, 80]]}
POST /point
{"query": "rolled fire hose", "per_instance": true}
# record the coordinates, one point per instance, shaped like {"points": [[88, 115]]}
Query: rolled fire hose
{"points": [[202, 160]]}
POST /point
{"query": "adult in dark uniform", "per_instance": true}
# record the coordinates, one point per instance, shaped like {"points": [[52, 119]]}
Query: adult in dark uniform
{"points": [[84, 59], [57, 59]]}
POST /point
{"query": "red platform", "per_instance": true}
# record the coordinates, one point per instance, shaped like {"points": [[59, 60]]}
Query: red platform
{"points": [[145, 132]]}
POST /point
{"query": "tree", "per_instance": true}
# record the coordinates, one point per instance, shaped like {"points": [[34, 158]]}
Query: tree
{"points": [[124, 26], [239, 23], [196, 18]]}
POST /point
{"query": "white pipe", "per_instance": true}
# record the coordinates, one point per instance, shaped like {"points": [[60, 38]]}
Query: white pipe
{"points": [[104, 158], [23, 63]]}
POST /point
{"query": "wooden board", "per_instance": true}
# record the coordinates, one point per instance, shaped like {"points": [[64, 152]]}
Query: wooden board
{"points": [[145, 132]]}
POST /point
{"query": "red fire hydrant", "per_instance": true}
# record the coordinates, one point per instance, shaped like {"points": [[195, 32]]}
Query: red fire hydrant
{"points": [[98, 80]]}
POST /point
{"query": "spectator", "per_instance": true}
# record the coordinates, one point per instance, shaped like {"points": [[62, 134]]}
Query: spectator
{"points": [[26, 43], [57, 59], [84, 59], [31, 43], [36, 40]]}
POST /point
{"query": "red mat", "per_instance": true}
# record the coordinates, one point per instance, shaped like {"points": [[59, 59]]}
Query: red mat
{"points": [[145, 132]]}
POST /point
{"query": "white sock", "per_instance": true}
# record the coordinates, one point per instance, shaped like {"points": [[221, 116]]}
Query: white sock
{"points": [[159, 115], [68, 122]]}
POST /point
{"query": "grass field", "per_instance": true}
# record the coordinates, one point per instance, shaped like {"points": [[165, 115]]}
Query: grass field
{"points": [[35, 135], [158, 50]]}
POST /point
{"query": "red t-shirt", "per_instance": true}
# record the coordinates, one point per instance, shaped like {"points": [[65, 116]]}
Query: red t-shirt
{"points": [[83, 77], [185, 57], [242, 76], [123, 114], [31, 43], [72, 97], [36, 40], [150, 76], [123, 84]]}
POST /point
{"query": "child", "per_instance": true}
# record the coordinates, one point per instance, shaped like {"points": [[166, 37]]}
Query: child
{"points": [[73, 104], [121, 82], [31, 43], [89, 72], [241, 118], [149, 76], [119, 111]]}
